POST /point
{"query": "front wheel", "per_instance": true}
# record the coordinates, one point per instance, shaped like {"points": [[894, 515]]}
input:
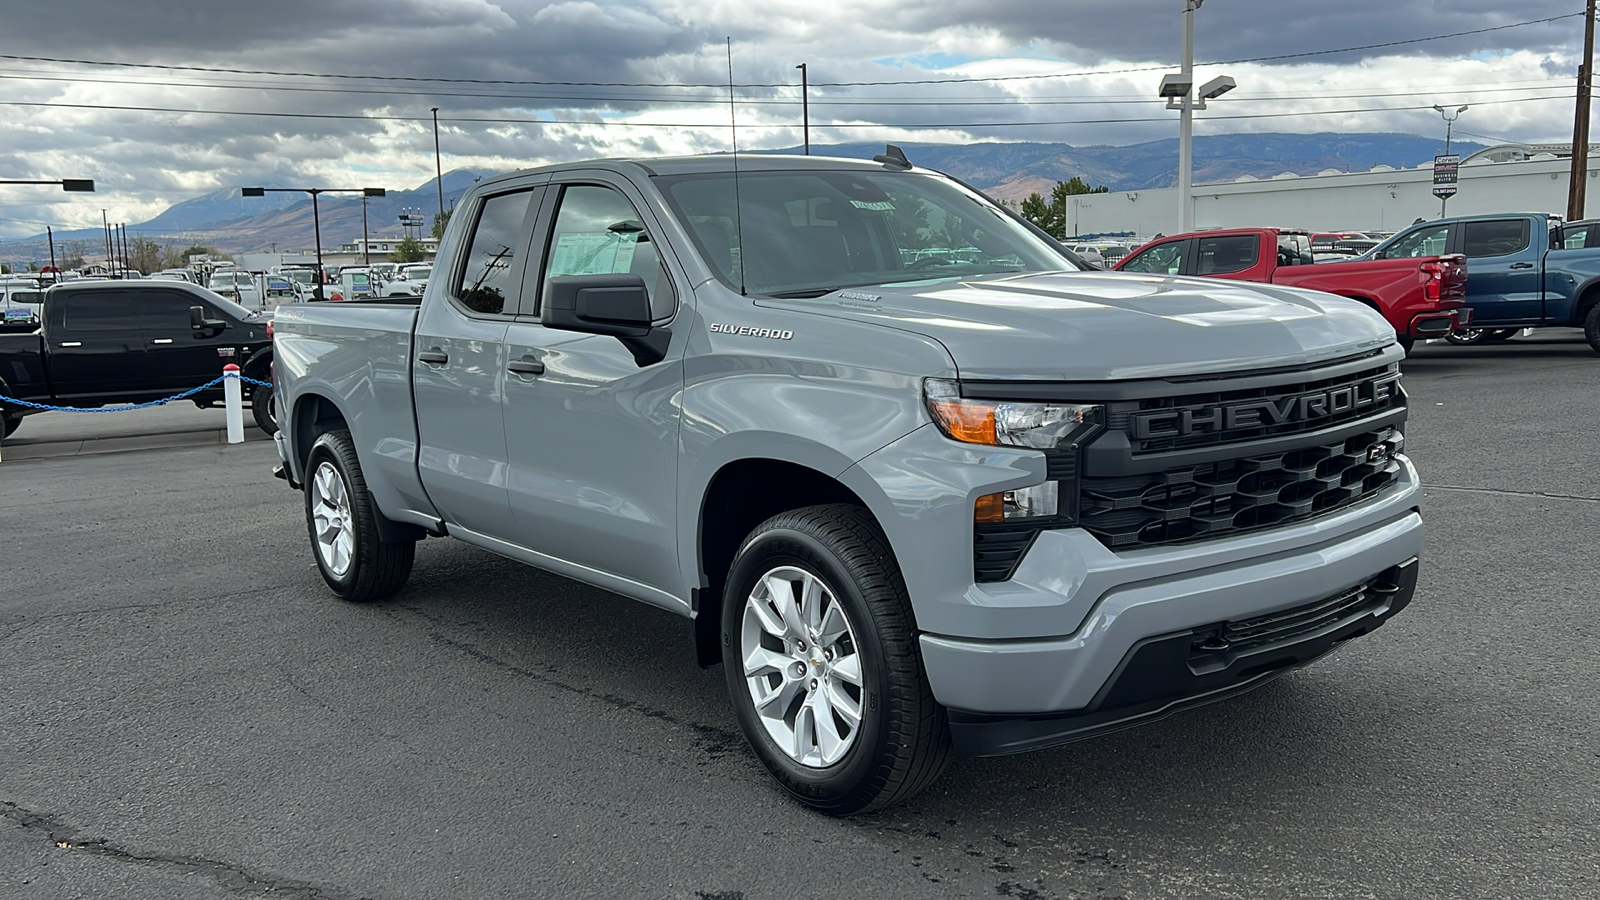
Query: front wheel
{"points": [[342, 519], [1591, 327], [822, 662], [8, 425]]}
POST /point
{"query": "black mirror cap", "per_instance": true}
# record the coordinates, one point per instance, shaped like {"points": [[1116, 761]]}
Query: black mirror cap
{"points": [[197, 317], [616, 305]]}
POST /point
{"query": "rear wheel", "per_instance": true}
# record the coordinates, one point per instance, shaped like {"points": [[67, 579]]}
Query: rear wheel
{"points": [[342, 519], [823, 666], [1465, 336], [263, 408], [1591, 327], [1495, 335], [9, 424]]}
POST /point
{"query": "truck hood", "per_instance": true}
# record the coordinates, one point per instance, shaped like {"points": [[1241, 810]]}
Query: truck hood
{"points": [[1082, 326]]}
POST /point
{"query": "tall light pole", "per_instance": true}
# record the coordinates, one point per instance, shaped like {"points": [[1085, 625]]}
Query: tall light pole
{"points": [[438, 162], [316, 218], [1449, 126], [1179, 92], [805, 108]]}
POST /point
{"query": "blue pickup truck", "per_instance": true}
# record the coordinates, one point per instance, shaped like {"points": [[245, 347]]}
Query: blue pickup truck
{"points": [[1523, 270]]}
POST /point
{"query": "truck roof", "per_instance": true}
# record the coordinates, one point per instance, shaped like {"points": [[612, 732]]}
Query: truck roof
{"points": [[714, 163]]}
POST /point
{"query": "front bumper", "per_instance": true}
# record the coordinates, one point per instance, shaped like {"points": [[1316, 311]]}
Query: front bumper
{"points": [[1181, 670]]}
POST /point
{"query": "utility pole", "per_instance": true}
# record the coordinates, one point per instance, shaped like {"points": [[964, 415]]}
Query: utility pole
{"points": [[105, 228], [805, 108], [1576, 189]]}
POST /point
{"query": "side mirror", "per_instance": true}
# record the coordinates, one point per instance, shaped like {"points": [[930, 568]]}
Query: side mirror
{"points": [[199, 322], [616, 305]]}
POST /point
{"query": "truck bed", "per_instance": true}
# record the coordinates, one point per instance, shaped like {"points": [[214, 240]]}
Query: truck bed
{"points": [[360, 353]]}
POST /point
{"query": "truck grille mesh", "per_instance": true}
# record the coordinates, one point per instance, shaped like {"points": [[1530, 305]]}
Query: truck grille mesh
{"points": [[1234, 496]]}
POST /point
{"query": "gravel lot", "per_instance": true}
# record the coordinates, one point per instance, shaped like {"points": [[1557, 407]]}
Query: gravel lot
{"points": [[186, 712]]}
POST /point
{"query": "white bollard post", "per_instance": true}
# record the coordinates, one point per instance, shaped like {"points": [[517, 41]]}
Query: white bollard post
{"points": [[233, 400]]}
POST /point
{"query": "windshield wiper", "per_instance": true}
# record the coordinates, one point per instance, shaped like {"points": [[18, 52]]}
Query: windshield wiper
{"points": [[804, 293]]}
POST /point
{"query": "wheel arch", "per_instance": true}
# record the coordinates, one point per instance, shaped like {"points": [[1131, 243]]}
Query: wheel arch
{"points": [[740, 495], [1587, 294], [313, 416], [259, 367]]}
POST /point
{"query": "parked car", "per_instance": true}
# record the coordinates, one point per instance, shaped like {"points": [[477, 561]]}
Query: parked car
{"points": [[977, 504], [236, 285], [100, 343], [1525, 270], [1420, 296]]}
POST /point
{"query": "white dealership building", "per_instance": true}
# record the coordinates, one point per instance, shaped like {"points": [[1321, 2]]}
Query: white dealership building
{"points": [[1502, 178]]}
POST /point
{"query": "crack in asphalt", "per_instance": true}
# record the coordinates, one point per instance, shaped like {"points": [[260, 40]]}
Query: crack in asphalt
{"points": [[1542, 495], [22, 625], [714, 742], [234, 879]]}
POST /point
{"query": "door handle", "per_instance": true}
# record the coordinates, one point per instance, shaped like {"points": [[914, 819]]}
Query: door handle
{"points": [[72, 343], [434, 357], [526, 366], [162, 341], [1523, 265]]}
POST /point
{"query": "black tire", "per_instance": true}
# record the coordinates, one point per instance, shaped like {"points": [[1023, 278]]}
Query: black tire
{"points": [[1462, 337], [1591, 327], [263, 407], [1495, 335], [1406, 342], [9, 425], [902, 743], [375, 568]]}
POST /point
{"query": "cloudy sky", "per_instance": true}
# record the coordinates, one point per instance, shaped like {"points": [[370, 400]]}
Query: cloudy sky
{"points": [[163, 101]]}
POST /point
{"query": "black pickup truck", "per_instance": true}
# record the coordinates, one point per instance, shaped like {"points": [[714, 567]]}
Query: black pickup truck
{"points": [[112, 342]]}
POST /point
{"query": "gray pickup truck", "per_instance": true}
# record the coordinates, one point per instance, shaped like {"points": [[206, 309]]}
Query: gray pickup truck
{"points": [[923, 484]]}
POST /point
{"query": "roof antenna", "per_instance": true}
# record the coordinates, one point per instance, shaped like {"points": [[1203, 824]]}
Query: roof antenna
{"points": [[893, 157], [738, 219]]}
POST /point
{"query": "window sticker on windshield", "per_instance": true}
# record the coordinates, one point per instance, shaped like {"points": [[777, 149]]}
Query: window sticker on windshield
{"points": [[880, 205], [590, 253]]}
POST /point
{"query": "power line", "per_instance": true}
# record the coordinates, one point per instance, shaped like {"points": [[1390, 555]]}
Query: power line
{"points": [[717, 125], [649, 84], [1111, 100]]}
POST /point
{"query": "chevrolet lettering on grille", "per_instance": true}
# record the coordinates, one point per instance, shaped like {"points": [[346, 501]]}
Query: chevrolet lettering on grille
{"points": [[1266, 412]]}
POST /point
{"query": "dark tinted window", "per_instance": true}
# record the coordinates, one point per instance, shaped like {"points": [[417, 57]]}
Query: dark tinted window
{"points": [[485, 276], [168, 310], [1429, 241], [598, 232], [1233, 253], [1294, 250], [1500, 237], [1162, 259], [101, 311]]}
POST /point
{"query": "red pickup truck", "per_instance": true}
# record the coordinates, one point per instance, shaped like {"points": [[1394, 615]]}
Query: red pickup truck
{"points": [[1422, 296]]}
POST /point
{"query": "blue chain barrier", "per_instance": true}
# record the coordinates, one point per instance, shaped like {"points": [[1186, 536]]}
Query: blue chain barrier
{"points": [[124, 408]]}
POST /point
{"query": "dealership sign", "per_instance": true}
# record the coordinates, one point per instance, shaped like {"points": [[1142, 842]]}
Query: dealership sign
{"points": [[1444, 174]]}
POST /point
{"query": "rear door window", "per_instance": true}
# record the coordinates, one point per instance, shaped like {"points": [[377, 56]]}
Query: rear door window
{"points": [[494, 258], [100, 311], [1227, 253], [1162, 259], [1497, 237], [1574, 238]]}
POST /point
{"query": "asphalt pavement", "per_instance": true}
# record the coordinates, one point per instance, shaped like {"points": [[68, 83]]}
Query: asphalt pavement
{"points": [[187, 712], [86, 432]]}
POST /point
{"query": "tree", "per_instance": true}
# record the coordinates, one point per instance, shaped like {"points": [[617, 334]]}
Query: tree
{"points": [[71, 255], [408, 250], [1045, 214], [146, 255], [1052, 215], [439, 221]]}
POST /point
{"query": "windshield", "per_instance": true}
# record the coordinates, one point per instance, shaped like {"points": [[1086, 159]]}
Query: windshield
{"points": [[804, 234], [417, 274]]}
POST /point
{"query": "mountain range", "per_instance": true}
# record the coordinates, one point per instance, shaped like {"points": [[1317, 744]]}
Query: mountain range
{"points": [[1005, 171]]}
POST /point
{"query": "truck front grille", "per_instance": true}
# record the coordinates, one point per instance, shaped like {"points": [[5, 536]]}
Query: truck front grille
{"points": [[1219, 499], [1256, 413]]}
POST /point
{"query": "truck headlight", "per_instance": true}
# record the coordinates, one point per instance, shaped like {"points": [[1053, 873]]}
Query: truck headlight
{"points": [[1038, 426]]}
